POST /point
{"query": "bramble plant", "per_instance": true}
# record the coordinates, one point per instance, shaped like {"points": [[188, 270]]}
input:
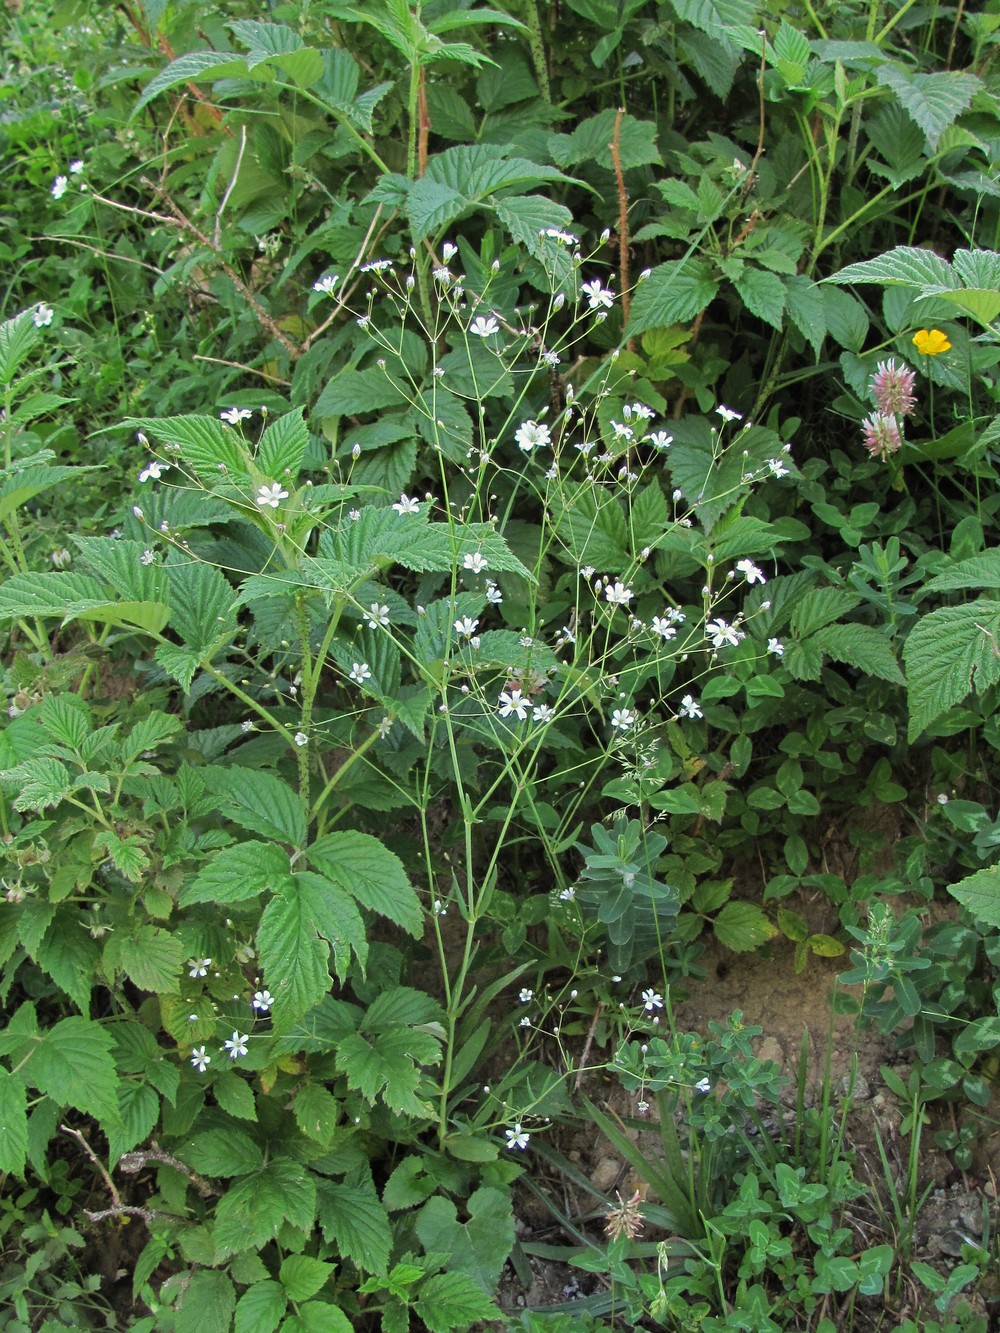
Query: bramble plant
{"points": [[496, 511]]}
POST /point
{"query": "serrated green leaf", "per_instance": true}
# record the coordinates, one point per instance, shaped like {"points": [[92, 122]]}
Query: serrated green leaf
{"points": [[477, 1247], [62, 596], [261, 1308], [223, 1152], [18, 336], [252, 1211], [31, 481], [742, 927], [373, 875], [317, 1112], [861, 646], [151, 956], [591, 142], [202, 605], [190, 68], [70, 955], [353, 1219], [933, 101], [385, 1065], [448, 1301], [208, 1302], [72, 1064], [138, 1110], [302, 1276], [179, 662], [947, 654], [234, 1095], [13, 1123], [259, 802], [355, 391], [763, 294], [334, 916], [284, 443], [979, 894], [294, 959], [819, 606], [674, 293], [904, 266], [237, 873]]}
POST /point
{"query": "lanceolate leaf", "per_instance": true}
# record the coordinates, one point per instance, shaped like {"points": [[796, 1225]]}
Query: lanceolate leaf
{"points": [[947, 654], [13, 1123]]}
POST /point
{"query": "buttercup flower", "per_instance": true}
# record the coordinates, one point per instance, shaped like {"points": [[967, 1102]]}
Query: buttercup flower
{"points": [[928, 342], [269, 497]]}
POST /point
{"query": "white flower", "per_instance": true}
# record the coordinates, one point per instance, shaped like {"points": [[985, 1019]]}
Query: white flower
{"points": [[262, 1000], [720, 633], [442, 275], [513, 703], [474, 562], [354, 515], [622, 432], [493, 594], [234, 415], [617, 594], [661, 440], [532, 434], [326, 284], [563, 237], [406, 504], [777, 467], [663, 628], [448, 251], [439, 908], [248, 725], [703, 1085], [199, 967], [690, 707], [750, 571], [598, 297], [776, 646], [517, 1137], [269, 497], [651, 1000], [238, 1045], [567, 895], [375, 266], [623, 718], [525, 995], [466, 626], [301, 739], [483, 328], [642, 1107], [525, 1022], [137, 512], [200, 1060], [75, 167], [147, 558], [360, 672], [727, 414], [543, 713], [643, 412], [377, 615], [154, 470], [43, 315], [59, 186], [551, 358]]}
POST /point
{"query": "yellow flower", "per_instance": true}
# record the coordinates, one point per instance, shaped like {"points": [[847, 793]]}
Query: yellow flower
{"points": [[931, 342]]}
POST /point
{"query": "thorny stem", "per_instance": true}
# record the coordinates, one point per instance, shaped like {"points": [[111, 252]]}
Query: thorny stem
{"points": [[616, 157]]}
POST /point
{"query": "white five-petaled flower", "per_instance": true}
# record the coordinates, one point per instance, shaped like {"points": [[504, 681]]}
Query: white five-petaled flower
{"points": [[662, 626], [360, 672], [154, 470], [776, 646], [200, 1060], [263, 1000], [513, 703], [722, 633], [622, 432], [517, 1137], [269, 497], [484, 328], [147, 558], [493, 594], [472, 560], [466, 626], [617, 594], [301, 739], [531, 435], [406, 504], [525, 995], [623, 718], [448, 251], [43, 315], [727, 414], [234, 415], [543, 713], [199, 967], [750, 571], [567, 895], [238, 1045], [661, 440], [690, 707], [377, 615], [76, 166], [651, 1000], [59, 186], [326, 283], [703, 1085], [598, 297], [777, 467]]}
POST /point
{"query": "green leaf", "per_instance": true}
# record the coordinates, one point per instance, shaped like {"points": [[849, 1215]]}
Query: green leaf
{"points": [[385, 1065], [72, 1064], [477, 1247], [139, 1110], [742, 927], [334, 916], [978, 571], [979, 894], [70, 956], [673, 293], [179, 662], [861, 646], [448, 1301], [732, 22], [31, 481], [202, 605], [763, 294], [356, 391], [208, 1302], [591, 142], [933, 101], [806, 311], [237, 873], [252, 1211], [18, 337], [905, 266], [946, 655], [353, 1219], [259, 802], [190, 68], [13, 1120], [261, 1308], [819, 606], [223, 1152], [317, 1112], [302, 1276], [373, 875], [294, 959], [281, 449], [151, 956], [234, 1095]]}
